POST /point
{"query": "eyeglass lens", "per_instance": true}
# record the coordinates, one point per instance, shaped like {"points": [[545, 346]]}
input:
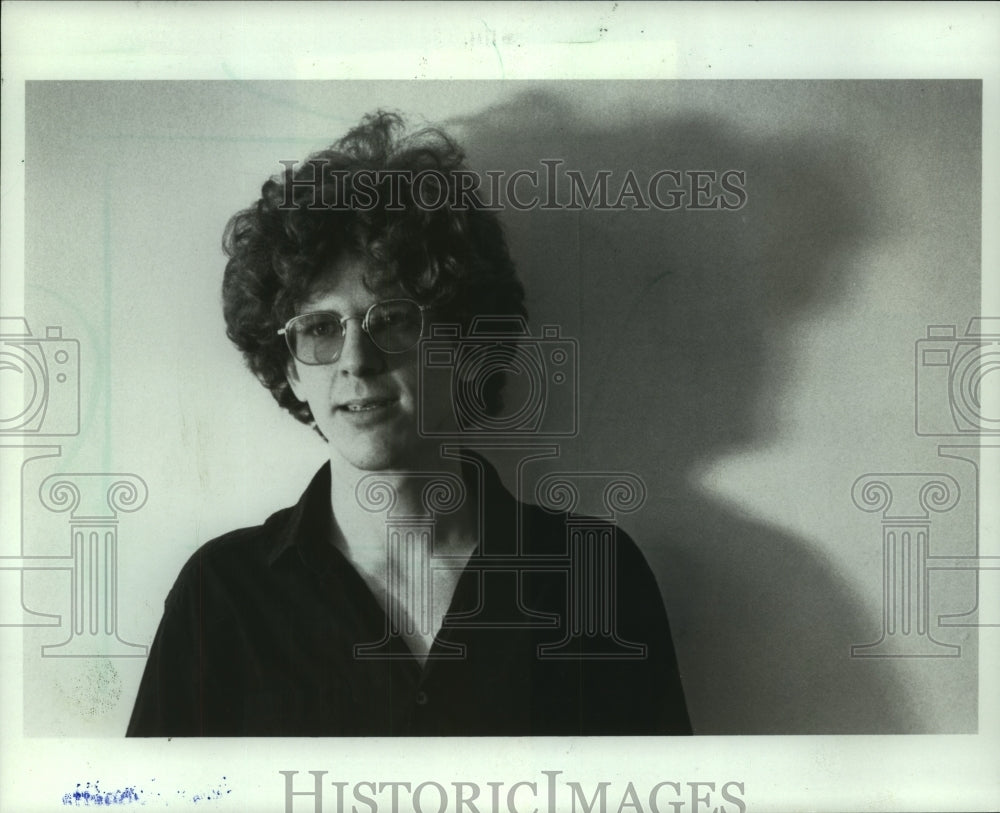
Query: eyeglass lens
{"points": [[393, 326]]}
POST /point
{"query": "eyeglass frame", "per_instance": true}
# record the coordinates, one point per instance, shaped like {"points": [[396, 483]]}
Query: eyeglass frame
{"points": [[343, 320]]}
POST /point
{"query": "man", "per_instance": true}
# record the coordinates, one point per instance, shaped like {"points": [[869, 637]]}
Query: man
{"points": [[407, 593]]}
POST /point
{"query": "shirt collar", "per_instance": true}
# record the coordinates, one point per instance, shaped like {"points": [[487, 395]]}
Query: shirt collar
{"points": [[308, 525]]}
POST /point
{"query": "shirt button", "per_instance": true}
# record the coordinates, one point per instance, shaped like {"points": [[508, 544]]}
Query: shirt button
{"points": [[422, 698]]}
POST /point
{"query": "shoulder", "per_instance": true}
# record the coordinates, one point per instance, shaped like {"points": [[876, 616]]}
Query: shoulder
{"points": [[253, 541], [241, 555], [254, 549], [593, 547], [550, 532]]}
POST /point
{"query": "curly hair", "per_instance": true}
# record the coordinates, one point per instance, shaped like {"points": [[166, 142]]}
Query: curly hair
{"points": [[453, 257]]}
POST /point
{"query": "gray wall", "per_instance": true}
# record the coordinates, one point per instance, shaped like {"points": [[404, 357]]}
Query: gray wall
{"points": [[748, 365]]}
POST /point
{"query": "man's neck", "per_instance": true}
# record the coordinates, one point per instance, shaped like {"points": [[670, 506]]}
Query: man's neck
{"points": [[361, 507], [397, 572]]}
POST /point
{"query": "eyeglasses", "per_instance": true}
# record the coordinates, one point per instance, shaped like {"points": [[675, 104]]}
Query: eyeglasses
{"points": [[393, 325]]}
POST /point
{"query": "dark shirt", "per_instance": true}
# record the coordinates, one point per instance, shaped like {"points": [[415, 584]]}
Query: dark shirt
{"points": [[260, 637]]}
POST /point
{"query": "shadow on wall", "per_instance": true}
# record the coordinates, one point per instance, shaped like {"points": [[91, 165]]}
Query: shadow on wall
{"points": [[682, 320]]}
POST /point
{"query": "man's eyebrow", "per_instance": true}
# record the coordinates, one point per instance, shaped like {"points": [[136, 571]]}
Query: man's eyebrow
{"points": [[314, 302], [308, 307]]}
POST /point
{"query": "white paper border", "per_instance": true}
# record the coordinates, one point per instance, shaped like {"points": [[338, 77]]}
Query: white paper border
{"points": [[427, 40]]}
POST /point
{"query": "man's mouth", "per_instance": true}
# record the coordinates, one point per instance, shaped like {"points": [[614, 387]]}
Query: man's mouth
{"points": [[367, 404]]}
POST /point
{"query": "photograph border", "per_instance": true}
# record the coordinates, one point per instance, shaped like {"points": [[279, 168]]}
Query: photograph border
{"points": [[227, 42]]}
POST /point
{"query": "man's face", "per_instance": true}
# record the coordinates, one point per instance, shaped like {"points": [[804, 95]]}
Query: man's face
{"points": [[365, 402]]}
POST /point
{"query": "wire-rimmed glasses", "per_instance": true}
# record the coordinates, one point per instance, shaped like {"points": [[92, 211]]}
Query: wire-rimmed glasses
{"points": [[393, 325]]}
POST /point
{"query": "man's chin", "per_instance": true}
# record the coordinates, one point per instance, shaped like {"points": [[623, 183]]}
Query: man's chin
{"points": [[414, 457], [372, 458]]}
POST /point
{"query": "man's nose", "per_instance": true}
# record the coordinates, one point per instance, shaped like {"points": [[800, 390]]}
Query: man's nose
{"points": [[359, 356]]}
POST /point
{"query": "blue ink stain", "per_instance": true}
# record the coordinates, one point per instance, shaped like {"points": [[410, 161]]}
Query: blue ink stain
{"points": [[86, 796]]}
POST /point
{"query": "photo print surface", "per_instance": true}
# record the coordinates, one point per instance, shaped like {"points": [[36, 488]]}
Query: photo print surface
{"points": [[753, 345]]}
